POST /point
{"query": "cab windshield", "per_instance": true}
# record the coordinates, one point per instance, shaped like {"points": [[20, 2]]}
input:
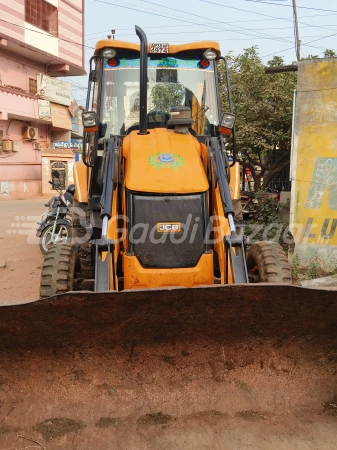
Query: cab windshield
{"points": [[171, 82]]}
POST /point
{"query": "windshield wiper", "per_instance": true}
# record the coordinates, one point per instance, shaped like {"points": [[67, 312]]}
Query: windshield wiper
{"points": [[203, 110]]}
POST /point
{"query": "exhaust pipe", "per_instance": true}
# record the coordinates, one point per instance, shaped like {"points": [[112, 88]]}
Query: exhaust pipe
{"points": [[143, 81]]}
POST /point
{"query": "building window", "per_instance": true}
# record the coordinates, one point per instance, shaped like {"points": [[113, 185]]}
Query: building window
{"points": [[32, 86], [42, 14]]}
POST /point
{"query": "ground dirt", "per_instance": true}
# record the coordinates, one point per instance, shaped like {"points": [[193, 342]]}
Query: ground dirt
{"points": [[19, 249]]}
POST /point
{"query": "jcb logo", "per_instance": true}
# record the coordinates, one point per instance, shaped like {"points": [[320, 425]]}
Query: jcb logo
{"points": [[167, 227]]}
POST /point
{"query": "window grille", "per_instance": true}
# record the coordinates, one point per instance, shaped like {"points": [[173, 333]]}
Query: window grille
{"points": [[42, 15]]}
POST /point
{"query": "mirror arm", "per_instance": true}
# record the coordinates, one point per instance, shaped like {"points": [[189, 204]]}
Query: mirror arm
{"points": [[231, 109]]}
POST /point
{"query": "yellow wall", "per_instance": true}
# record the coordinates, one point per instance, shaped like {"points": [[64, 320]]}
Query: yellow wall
{"points": [[314, 161]]}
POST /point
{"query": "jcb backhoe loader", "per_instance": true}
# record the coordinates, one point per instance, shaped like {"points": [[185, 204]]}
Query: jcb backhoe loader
{"points": [[175, 336]]}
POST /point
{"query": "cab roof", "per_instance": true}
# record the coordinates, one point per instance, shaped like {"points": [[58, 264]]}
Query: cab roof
{"points": [[173, 49]]}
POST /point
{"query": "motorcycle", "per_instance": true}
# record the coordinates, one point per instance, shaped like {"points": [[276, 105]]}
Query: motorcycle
{"points": [[55, 227]]}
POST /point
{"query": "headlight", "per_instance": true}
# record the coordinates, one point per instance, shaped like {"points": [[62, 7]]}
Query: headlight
{"points": [[210, 54], [227, 123], [227, 120], [109, 53], [89, 119]]}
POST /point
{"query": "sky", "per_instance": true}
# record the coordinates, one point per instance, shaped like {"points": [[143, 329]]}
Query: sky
{"points": [[235, 24]]}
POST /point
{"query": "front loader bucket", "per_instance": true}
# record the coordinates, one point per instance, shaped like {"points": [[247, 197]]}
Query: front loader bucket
{"points": [[221, 367]]}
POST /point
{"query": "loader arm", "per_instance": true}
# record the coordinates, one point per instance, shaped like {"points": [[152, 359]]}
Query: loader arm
{"points": [[231, 247], [106, 248]]}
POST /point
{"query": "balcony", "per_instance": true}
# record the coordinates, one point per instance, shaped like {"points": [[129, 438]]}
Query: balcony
{"points": [[18, 104]]}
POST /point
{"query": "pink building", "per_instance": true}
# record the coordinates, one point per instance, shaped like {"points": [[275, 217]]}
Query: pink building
{"points": [[39, 40]]}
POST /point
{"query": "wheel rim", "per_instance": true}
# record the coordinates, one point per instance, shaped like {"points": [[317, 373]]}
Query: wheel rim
{"points": [[61, 236]]}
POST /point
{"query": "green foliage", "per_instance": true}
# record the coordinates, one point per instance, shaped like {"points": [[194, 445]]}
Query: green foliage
{"points": [[263, 108], [295, 267], [166, 95], [267, 208], [326, 54], [313, 270], [329, 54], [265, 222]]}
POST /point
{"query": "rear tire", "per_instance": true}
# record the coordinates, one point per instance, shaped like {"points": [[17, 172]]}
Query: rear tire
{"points": [[60, 272], [268, 263]]}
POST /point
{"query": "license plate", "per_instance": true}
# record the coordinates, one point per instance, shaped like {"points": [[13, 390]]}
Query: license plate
{"points": [[159, 48]]}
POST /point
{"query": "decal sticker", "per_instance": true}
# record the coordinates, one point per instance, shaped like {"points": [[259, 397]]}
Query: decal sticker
{"points": [[164, 160], [161, 62]]}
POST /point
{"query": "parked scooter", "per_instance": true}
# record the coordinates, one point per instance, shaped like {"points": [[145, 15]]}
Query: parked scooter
{"points": [[55, 227]]}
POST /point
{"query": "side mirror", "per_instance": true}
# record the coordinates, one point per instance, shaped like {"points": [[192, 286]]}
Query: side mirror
{"points": [[227, 123], [89, 121]]}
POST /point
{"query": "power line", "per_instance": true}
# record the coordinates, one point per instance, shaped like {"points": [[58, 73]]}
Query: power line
{"points": [[281, 51], [184, 20], [188, 21], [265, 15], [206, 26], [202, 17], [290, 6], [260, 14], [276, 53], [192, 24], [222, 40], [191, 31], [152, 3]]}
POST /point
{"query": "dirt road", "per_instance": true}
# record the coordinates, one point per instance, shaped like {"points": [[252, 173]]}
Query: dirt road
{"points": [[241, 374], [244, 374], [19, 249]]}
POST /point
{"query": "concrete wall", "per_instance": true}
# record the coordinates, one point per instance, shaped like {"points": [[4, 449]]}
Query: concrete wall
{"points": [[66, 47], [14, 190], [20, 171], [25, 51], [314, 162]]}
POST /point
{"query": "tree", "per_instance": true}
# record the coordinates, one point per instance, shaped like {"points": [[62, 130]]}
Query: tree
{"points": [[263, 108], [329, 54], [166, 95], [326, 54]]}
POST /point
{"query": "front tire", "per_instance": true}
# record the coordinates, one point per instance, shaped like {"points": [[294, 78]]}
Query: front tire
{"points": [[61, 270], [268, 263]]}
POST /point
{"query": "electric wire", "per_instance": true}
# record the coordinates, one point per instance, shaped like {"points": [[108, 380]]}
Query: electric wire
{"points": [[290, 6], [188, 21]]}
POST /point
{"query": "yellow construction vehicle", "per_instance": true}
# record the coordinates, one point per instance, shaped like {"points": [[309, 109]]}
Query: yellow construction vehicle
{"points": [[174, 335], [156, 183]]}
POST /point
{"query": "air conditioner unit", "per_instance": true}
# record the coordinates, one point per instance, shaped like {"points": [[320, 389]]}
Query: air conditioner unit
{"points": [[7, 145], [30, 133]]}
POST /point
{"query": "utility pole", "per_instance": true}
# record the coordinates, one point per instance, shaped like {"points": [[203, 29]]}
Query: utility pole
{"points": [[297, 38]]}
